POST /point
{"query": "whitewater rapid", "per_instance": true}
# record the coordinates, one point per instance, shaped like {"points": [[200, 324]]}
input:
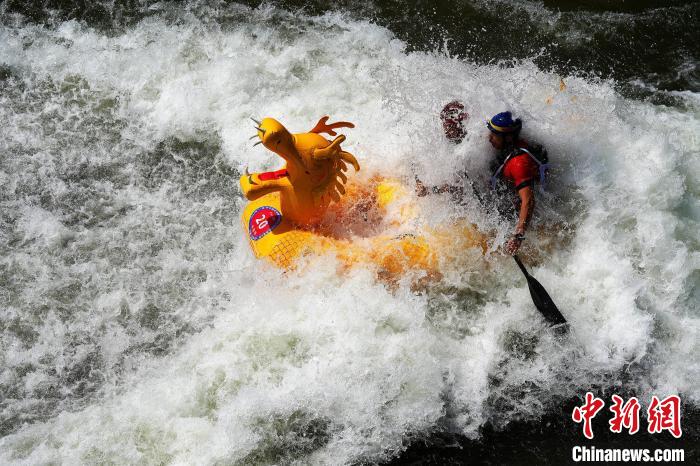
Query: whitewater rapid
{"points": [[138, 327]]}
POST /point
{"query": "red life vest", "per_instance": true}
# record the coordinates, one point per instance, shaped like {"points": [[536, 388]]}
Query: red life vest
{"points": [[521, 168]]}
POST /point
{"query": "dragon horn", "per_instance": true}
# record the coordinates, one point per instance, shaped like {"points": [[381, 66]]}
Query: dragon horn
{"points": [[259, 142], [330, 150], [348, 157], [256, 121], [260, 129]]}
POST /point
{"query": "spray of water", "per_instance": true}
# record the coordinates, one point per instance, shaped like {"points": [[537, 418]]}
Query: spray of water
{"points": [[137, 326]]}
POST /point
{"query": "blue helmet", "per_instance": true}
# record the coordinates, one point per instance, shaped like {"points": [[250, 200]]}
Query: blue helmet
{"points": [[503, 123]]}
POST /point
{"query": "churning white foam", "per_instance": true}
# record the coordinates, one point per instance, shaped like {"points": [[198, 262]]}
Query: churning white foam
{"points": [[314, 366]]}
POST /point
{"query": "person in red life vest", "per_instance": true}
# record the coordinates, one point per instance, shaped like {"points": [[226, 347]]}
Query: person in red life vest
{"points": [[520, 165]]}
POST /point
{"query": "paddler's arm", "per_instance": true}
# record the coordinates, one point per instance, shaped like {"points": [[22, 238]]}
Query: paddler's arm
{"points": [[527, 206], [422, 190]]}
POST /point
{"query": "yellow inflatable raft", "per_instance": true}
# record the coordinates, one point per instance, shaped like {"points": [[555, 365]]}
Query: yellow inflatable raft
{"points": [[284, 219]]}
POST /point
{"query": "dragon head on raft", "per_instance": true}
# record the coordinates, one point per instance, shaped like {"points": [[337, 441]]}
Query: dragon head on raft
{"points": [[314, 173]]}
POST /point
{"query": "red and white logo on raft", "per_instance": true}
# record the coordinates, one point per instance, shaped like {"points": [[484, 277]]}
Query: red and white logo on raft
{"points": [[263, 221]]}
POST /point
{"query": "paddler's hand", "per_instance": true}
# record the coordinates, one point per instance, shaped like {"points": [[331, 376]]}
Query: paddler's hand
{"points": [[421, 190], [514, 243]]}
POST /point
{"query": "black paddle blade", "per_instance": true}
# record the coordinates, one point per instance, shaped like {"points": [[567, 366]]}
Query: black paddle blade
{"points": [[541, 298], [544, 303]]}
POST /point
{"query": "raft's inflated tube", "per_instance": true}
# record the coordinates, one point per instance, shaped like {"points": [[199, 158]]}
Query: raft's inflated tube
{"points": [[286, 206]]}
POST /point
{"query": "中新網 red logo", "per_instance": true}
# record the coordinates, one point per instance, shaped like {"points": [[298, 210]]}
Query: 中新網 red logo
{"points": [[661, 415]]}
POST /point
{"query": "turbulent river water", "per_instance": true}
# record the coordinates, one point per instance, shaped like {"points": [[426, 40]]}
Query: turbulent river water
{"points": [[137, 327]]}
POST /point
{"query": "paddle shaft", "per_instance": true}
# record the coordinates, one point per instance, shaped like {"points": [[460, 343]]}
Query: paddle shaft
{"points": [[522, 267]]}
